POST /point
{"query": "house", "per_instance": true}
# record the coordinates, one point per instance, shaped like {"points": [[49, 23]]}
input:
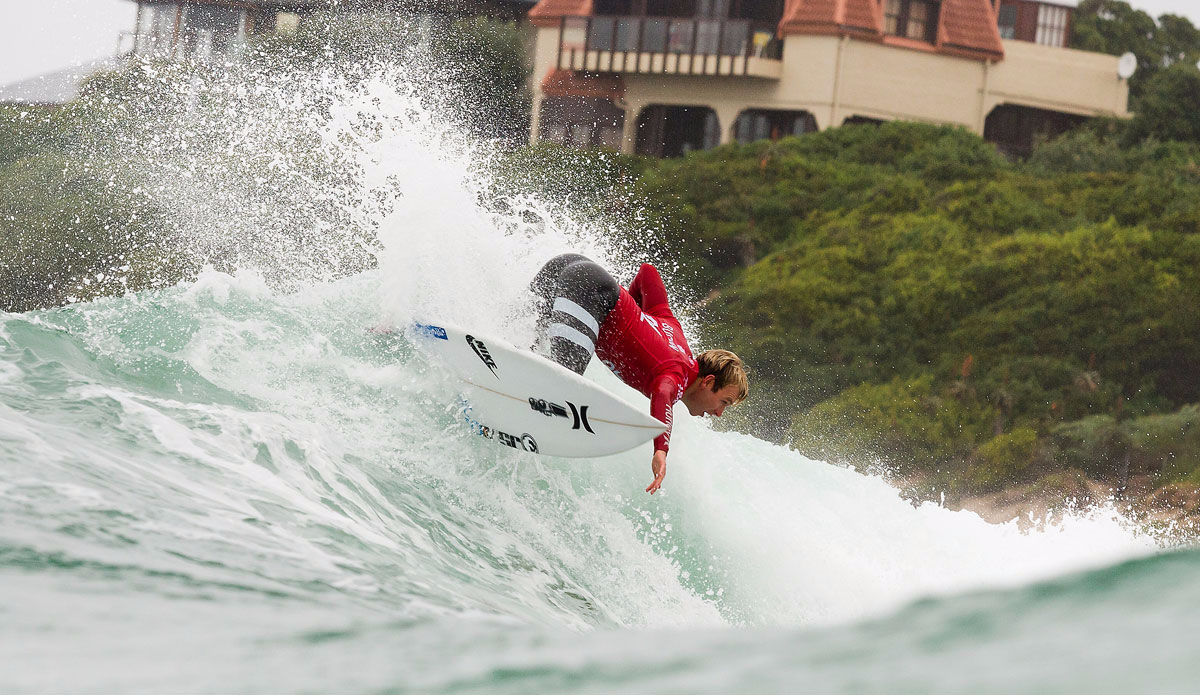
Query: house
{"points": [[208, 29], [664, 77], [216, 29]]}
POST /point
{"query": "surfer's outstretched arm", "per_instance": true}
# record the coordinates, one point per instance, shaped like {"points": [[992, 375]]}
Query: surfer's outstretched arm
{"points": [[658, 466], [665, 393]]}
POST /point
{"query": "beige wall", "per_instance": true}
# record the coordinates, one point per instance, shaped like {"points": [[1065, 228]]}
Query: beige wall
{"points": [[1058, 79], [894, 83], [835, 78]]}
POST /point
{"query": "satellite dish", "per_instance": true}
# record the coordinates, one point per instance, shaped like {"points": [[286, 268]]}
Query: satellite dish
{"points": [[1126, 66]]}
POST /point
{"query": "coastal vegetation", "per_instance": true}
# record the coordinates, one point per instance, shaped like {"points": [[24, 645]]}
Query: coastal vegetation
{"points": [[909, 300], [92, 192]]}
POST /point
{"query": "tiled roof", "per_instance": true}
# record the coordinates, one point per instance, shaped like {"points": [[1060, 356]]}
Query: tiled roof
{"points": [[863, 13], [547, 12], [567, 83], [831, 17], [967, 27]]}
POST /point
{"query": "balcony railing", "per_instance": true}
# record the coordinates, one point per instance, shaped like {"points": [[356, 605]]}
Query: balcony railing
{"points": [[669, 45]]}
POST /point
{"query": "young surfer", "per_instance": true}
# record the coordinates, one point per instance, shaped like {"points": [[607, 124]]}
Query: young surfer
{"points": [[584, 310]]}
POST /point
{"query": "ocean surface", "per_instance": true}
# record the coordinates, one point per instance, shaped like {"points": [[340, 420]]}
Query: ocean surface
{"points": [[231, 485]]}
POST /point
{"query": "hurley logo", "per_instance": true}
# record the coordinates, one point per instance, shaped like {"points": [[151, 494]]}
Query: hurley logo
{"points": [[481, 350], [580, 415]]}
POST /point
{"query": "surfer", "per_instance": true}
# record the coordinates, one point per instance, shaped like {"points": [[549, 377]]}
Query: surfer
{"points": [[584, 310]]}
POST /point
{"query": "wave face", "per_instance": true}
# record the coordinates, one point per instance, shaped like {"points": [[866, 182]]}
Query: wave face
{"points": [[230, 485]]}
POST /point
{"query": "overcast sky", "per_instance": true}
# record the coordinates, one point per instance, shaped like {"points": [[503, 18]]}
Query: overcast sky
{"points": [[42, 36]]}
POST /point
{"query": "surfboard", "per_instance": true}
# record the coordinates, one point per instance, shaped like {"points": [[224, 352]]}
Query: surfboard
{"points": [[524, 401]]}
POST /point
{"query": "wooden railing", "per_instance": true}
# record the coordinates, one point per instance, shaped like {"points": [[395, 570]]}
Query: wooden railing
{"points": [[626, 40]]}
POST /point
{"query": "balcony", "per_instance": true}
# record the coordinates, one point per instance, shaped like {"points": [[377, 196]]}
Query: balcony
{"points": [[670, 45]]}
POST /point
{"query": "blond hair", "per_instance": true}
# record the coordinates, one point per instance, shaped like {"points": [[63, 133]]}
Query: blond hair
{"points": [[727, 368]]}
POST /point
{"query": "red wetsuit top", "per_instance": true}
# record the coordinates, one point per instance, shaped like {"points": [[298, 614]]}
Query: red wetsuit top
{"points": [[643, 343]]}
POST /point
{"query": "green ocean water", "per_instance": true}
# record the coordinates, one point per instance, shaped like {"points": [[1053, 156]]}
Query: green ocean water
{"points": [[217, 488], [231, 486]]}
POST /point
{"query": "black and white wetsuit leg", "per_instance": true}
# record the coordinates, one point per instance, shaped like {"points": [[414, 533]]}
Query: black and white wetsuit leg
{"points": [[576, 295]]}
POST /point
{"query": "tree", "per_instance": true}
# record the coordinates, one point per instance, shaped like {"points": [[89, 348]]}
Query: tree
{"points": [[1178, 40], [1170, 107], [478, 65], [1112, 26]]}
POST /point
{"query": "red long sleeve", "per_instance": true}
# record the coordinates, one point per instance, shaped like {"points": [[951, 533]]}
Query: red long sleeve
{"points": [[664, 393], [648, 290], [643, 343]]}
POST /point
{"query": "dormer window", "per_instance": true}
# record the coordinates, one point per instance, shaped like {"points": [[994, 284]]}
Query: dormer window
{"points": [[1047, 23], [1007, 21], [1052, 26], [912, 19]]}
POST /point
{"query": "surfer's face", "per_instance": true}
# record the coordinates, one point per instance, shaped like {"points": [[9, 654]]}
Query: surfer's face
{"points": [[706, 401]]}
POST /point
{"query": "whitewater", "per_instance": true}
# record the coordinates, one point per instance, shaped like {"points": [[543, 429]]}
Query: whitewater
{"points": [[231, 485]]}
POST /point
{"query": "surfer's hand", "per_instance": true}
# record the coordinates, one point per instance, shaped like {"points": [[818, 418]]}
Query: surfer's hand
{"points": [[658, 465]]}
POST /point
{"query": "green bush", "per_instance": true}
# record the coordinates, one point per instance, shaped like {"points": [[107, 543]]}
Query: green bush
{"points": [[1033, 295], [66, 233], [479, 65], [1170, 106], [1096, 444], [1002, 460], [1168, 444], [907, 424]]}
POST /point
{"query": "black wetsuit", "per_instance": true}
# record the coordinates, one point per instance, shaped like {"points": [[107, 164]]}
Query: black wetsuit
{"points": [[634, 332], [576, 295]]}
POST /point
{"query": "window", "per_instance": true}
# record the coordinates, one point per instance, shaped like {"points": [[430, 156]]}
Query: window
{"points": [[157, 31], [581, 122], [1008, 21], [712, 8], [211, 32], [708, 33], [764, 124], [767, 11], [671, 8], [610, 8], [600, 33], [913, 19], [679, 36], [1052, 26], [673, 131]]}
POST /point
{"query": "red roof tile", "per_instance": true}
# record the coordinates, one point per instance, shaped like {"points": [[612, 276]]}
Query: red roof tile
{"points": [[831, 17], [567, 83], [548, 12], [864, 13], [970, 25], [966, 28]]}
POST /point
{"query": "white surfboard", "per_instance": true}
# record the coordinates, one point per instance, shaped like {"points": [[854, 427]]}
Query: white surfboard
{"points": [[525, 401]]}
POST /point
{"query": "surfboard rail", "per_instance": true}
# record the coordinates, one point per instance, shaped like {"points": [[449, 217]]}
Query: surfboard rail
{"points": [[524, 401]]}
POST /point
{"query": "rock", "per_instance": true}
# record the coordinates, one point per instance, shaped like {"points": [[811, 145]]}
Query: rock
{"points": [[1182, 496]]}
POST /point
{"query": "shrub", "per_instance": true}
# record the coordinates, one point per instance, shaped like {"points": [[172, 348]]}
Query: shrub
{"points": [[906, 423], [1002, 460], [1168, 444]]}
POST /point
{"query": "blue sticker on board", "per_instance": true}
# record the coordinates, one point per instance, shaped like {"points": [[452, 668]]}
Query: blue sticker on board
{"points": [[432, 331]]}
